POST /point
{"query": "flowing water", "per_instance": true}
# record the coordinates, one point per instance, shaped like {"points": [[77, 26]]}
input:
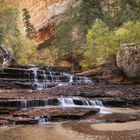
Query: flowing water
{"points": [[60, 118], [38, 78]]}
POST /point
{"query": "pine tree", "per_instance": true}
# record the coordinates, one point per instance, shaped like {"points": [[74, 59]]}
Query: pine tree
{"points": [[30, 30], [90, 11]]}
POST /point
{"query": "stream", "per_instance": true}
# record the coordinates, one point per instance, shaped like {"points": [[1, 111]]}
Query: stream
{"points": [[43, 103]]}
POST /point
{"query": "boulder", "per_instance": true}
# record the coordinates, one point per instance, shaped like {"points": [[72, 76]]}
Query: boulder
{"points": [[128, 60]]}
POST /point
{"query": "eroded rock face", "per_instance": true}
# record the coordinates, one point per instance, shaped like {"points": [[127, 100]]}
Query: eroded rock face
{"points": [[44, 15], [43, 11], [128, 60]]}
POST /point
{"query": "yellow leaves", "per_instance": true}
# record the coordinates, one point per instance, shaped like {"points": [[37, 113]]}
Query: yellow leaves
{"points": [[103, 42], [23, 61], [130, 32], [121, 32]]}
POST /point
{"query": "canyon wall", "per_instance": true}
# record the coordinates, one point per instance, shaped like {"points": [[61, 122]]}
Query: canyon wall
{"points": [[42, 12]]}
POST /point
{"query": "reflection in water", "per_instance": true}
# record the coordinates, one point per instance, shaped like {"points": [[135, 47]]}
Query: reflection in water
{"points": [[117, 126], [68, 131]]}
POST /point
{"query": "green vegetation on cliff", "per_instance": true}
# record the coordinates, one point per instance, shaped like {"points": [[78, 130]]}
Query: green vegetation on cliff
{"points": [[70, 39], [100, 31], [104, 43], [88, 34], [30, 30], [22, 49]]}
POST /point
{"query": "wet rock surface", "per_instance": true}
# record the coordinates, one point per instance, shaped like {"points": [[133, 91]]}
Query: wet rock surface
{"points": [[111, 95], [35, 111], [66, 98], [88, 129]]}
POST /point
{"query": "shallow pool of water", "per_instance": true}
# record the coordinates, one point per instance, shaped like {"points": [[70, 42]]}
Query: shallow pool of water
{"points": [[73, 131]]}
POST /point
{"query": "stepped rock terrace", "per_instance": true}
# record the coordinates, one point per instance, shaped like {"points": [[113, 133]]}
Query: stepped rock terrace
{"points": [[34, 77]]}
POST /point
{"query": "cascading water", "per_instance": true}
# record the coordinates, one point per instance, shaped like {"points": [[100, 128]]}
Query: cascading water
{"points": [[37, 84], [42, 120], [44, 77], [50, 75], [71, 79], [60, 102], [79, 102], [39, 78], [24, 104], [45, 108], [66, 101], [87, 80]]}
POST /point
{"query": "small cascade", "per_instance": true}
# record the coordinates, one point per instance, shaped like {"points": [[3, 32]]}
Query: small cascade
{"points": [[71, 79], [37, 85], [60, 102], [87, 80], [96, 103], [24, 104], [51, 75], [77, 80], [38, 78], [42, 120], [80, 102], [45, 102], [44, 77], [66, 101]]}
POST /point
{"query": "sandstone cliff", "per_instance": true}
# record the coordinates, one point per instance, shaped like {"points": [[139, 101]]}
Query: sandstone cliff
{"points": [[43, 11], [44, 15]]}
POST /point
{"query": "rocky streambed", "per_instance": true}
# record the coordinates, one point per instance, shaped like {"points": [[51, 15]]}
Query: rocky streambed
{"points": [[71, 102], [64, 104]]}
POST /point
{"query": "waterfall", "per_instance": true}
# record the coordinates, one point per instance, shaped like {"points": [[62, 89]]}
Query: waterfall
{"points": [[71, 79], [6, 55], [87, 80], [77, 79], [50, 75], [66, 101], [43, 120], [44, 77], [39, 78], [60, 102], [24, 104], [36, 83], [45, 102]]}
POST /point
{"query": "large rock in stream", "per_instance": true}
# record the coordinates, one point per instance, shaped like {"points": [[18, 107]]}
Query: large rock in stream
{"points": [[128, 60]]}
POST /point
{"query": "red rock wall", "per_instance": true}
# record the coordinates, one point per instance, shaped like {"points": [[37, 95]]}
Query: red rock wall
{"points": [[30, 3], [42, 11]]}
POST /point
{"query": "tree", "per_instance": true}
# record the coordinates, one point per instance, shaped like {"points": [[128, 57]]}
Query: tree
{"points": [[24, 50], [21, 48], [99, 39], [8, 23], [104, 43], [90, 10], [30, 30], [125, 10], [128, 33], [69, 38]]}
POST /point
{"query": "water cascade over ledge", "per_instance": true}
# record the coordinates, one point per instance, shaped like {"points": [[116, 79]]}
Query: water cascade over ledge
{"points": [[57, 102], [42, 111], [35, 77]]}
